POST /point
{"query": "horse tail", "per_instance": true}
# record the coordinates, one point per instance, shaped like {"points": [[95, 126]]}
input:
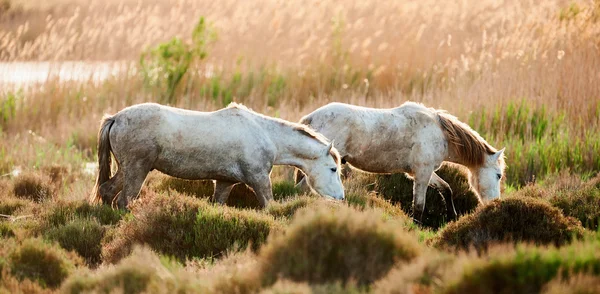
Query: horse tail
{"points": [[104, 159]]}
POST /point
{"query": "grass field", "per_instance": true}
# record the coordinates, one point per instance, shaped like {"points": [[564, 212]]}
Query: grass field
{"points": [[523, 74]]}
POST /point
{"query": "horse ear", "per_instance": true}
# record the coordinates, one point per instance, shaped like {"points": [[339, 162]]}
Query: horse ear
{"points": [[498, 154], [329, 147]]}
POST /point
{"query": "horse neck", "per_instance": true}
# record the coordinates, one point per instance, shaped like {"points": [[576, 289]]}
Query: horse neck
{"points": [[454, 157], [293, 147]]}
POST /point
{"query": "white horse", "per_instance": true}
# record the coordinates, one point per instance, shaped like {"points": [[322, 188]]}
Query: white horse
{"points": [[413, 139], [232, 145]]}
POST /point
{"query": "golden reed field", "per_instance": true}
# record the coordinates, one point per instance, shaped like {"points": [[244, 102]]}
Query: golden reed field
{"points": [[524, 74]]}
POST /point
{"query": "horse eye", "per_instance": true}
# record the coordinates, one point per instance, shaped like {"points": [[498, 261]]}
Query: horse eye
{"points": [[334, 169], [499, 176]]}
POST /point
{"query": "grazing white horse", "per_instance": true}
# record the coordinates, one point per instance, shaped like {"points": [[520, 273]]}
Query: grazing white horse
{"points": [[413, 139], [232, 145]]}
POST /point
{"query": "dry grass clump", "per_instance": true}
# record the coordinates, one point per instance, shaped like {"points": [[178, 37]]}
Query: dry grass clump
{"points": [[33, 186], [510, 219], [10, 284], [525, 269], [290, 287], [341, 245], [370, 200], [33, 259], [142, 272], [425, 274], [287, 208], [185, 227], [11, 205], [577, 284]]}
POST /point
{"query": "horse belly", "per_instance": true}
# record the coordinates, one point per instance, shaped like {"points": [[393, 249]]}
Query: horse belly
{"points": [[198, 164], [382, 162]]}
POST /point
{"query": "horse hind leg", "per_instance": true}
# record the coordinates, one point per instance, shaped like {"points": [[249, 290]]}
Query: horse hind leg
{"points": [[134, 177], [222, 191], [111, 188], [446, 193]]}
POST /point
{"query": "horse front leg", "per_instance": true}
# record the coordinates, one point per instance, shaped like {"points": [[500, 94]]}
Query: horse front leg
{"points": [[420, 185], [222, 191], [263, 190], [446, 193]]}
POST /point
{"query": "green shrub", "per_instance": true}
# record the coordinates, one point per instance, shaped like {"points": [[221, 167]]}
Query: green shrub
{"points": [[340, 245], [84, 236], [199, 189], [284, 189], [510, 219], [32, 186], [142, 272], [582, 204], [6, 230], [186, 227], [241, 196], [62, 212], [164, 66], [398, 188], [41, 262], [525, 269]]}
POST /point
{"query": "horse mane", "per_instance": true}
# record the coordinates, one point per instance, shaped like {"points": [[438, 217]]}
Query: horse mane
{"points": [[466, 142], [300, 128]]}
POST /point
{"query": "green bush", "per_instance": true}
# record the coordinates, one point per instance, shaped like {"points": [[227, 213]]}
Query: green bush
{"points": [[199, 189], [284, 189], [340, 245], [510, 219], [186, 227], [6, 230], [241, 196], [398, 188], [525, 269], [84, 236], [38, 261], [142, 272], [62, 212], [32, 186], [164, 66], [582, 204], [78, 226]]}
